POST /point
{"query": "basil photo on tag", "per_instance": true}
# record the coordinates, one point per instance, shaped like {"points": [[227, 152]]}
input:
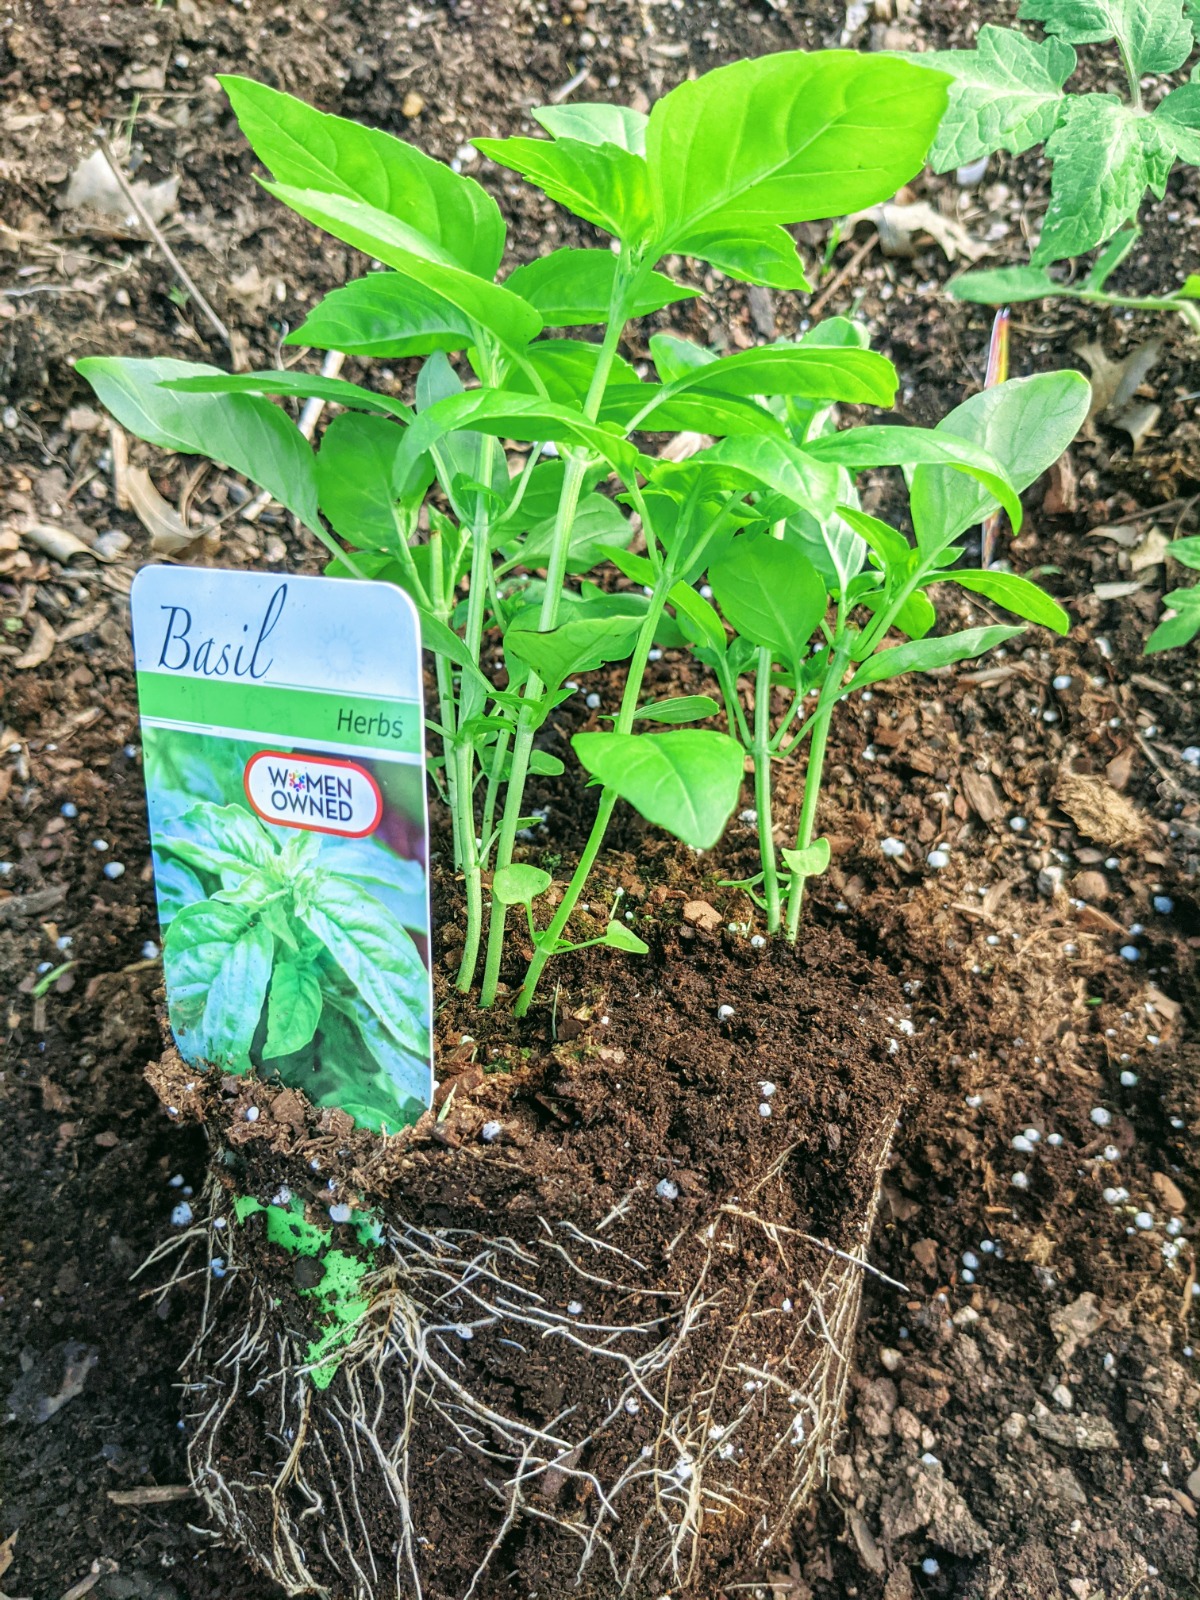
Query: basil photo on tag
{"points": [[282, 727]]}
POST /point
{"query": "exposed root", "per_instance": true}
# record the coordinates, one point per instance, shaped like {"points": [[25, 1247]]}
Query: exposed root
{"points": [[444, 1304]]}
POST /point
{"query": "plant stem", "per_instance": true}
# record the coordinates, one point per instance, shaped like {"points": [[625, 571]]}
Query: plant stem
{"points": [[762, 787], [546, 946], [472, 704], [556, 568], [812, 778]]}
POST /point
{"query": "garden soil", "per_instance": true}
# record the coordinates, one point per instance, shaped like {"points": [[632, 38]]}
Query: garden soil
{"points": [[1023, 1418]]}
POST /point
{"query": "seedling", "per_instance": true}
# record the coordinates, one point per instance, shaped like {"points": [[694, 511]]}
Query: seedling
{"points": [[1182, 622], [1009, 94], [494, 542]]}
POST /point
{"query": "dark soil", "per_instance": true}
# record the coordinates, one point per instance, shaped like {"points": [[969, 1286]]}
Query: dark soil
{"points": [[1027, 1015]]}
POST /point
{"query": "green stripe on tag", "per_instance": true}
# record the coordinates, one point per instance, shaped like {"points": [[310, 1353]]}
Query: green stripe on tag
{"points": [[359, 721]]}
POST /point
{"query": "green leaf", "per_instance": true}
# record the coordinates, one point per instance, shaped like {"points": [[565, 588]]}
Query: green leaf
{"points": [[293, 1009], [621, 937], [1154, 35], [596, 124], [566, 368], [1006, 95], [777, 467], [246, 433], [750, 255], [306, 149], [1015, 594], [520, 886], [1179, 116], [580, 646], [687, 782], [678, 708], [598, 528], [375, 952], [356, 470], [217, 964], [892, 548], [303, 385], [1023, 425], [512, 320], [787, 138], [1111, 257], [1191, 287], [858, 448], [1004, 286], [855, 376], [602, 183], [219, 839], [770, 594], [925, 655], [543, 765], [574, 288], [384, 314], [1185, 551], [1180, 629], [1106, 155], [512, 416], [811, 861], [698, 619]]}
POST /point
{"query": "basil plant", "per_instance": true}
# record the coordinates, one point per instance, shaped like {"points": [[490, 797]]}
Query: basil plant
{"points": [[529, 452]]}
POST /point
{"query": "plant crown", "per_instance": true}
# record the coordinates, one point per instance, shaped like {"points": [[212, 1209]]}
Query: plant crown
{"points": [[484, 496]]}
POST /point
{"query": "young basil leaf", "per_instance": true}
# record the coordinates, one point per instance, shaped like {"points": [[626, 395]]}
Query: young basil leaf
{"points": [[293, 1009], [914, 619], [574, 288], [1154, 35], [679, 708], [765, 256], [217, 963], [602, 183], [512, 320], [579, 646], [220, 839], [770, 594], [520, 885], [795, 475], [244, 432], [544, 765], [788, 138], [1007, 94], [1023, 425], [1015, 594], [304, 385], [686, 782], [384, 314], [858, 448], [811, 861], [454, 217], [893, 549], [598, 530], [375, 952], [645, 407], [828, 374], [622, 937], [356, 471], [1180, 629], [596, 124], [924, 655], [698, 619], [565, 367]]}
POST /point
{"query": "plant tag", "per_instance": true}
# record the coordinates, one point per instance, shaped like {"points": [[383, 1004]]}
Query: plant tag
{"points": [[283, 739]]}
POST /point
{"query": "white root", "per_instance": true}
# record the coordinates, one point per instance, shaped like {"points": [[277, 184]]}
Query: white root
{"points": [[436, 1299]]}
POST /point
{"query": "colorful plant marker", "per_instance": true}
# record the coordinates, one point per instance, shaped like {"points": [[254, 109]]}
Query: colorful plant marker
{"points": [[283, 733]]}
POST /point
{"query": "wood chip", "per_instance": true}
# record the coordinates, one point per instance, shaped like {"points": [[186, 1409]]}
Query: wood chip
{"points": [[701, 915], [168, 532], [41, 646], [1098, 810], [981, 794], [1168, 1192], [153, 1494], [60, 544]]}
